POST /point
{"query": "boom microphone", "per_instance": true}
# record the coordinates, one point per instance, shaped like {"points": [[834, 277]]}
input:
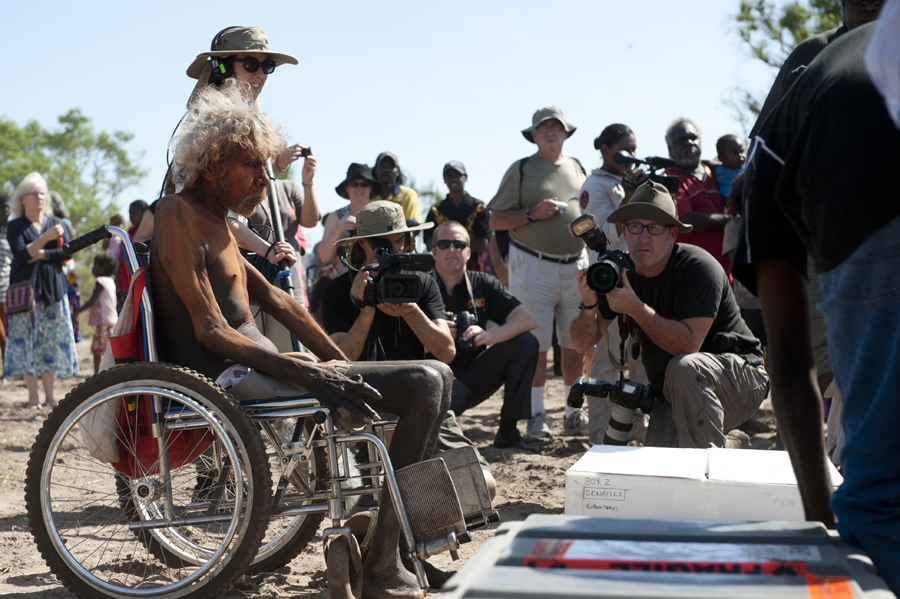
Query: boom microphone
{"points": [[655, 162]]}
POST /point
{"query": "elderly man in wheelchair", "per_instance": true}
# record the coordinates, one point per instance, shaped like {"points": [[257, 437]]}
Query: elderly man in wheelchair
{"points": [[200, 287]]}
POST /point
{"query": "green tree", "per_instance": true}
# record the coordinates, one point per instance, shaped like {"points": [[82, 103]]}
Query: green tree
{"points": [[771, 31], [89, 169]]}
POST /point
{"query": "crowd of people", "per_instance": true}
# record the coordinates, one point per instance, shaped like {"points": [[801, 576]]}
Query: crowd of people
{"points": [[509, 280]]}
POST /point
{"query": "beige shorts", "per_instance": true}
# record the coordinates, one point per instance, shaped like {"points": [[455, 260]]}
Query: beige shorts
{"points": [[549, 290]]}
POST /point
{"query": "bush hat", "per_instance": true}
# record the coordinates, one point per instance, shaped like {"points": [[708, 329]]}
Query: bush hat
{"points": [[381, 218], [355, 172], [238, 40], [651, 201], [545, 114]]}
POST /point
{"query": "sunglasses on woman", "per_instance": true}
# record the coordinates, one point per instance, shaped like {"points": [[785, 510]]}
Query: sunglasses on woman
{"points": [[445, 244], [251, 65]]}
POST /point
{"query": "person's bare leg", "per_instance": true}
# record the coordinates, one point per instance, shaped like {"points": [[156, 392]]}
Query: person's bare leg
{"points": [[47, 380], [419, 393], [34, 401], [572, 365], [97, 363]]}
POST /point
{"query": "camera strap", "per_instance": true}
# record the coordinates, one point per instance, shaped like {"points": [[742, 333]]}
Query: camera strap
{"points": [[613, 359]]}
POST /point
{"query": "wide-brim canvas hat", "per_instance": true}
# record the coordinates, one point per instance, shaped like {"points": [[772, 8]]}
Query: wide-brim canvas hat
{"points": [[380, 218], [545, 114], [358, 171], [651, 201], [238, 40]]}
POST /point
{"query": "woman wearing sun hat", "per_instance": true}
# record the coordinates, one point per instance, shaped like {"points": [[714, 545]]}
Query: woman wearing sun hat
{"points": [[236, 55]]}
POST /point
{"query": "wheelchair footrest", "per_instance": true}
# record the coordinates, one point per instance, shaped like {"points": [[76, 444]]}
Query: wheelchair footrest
{"points": [[432, 506], [471, 489]]}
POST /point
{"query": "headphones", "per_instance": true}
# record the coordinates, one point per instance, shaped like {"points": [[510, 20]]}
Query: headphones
{"points": [[222, 67]]}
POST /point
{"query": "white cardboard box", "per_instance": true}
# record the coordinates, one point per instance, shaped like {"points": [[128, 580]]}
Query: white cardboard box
{"points": [[699, 484]]}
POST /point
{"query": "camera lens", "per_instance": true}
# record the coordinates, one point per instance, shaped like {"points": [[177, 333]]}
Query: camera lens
{"points": [[603, 276], [398, 289]]}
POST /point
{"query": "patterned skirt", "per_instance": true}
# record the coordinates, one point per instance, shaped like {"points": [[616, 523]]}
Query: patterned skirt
{"points": [[41, 344]]}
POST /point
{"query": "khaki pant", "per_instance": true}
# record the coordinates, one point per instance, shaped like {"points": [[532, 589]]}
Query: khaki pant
{"points": [[708, 395]]}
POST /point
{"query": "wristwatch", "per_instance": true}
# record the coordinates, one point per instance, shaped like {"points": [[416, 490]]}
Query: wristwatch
{"points": [[527, 212]]}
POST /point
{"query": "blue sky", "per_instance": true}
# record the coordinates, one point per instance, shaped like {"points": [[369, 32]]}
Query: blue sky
{"points": [[429, 81]]}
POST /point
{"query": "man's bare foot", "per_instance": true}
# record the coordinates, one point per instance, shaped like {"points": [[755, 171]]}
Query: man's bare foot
{"points": [[396, 583], [33, 404]]}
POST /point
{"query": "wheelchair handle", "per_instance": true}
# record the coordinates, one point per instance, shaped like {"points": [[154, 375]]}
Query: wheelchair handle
{"points": [[86, 240]]}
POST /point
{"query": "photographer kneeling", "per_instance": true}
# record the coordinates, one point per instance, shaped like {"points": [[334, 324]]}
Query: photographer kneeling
{"points": [[699, 354], [394, 315], [485, 359]]}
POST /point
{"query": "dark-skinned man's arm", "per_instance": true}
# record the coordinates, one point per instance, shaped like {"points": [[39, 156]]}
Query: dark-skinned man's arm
{"points": [[795, 394], [705, 221], [183, 258]]}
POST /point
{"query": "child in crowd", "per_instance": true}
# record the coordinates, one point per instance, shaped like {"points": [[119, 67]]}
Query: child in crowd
{"points": [[102, 304], [732, 154]]}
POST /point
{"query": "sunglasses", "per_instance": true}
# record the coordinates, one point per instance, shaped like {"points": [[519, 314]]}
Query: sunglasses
{"points": [[444, 244], [251, 65], [365, 184]]}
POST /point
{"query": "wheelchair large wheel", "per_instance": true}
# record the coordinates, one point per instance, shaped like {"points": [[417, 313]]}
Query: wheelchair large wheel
{"points": [[293, 485], [177, 535]]}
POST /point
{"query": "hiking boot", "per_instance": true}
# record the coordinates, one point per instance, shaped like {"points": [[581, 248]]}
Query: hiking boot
{"points": [[576, 424], [537, 428], [511, 440]]}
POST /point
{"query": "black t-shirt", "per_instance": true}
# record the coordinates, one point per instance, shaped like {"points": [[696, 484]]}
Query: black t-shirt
{"points": [[471, 213], [491, 302], [819, 178], [390, 337], [794, 66], [693, 285]]}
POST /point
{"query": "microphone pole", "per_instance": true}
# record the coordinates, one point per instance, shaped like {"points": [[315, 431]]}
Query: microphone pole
{"points": [[284, 269]]}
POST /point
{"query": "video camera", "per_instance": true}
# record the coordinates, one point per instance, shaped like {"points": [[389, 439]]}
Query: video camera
{"points": [[654, 163], [606, 273], [390, 286], [627, 396]]}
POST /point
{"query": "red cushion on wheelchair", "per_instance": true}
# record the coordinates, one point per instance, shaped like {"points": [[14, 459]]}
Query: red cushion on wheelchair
{"points": [[139, 450]]}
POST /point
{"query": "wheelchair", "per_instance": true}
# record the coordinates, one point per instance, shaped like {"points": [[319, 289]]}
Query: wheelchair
{"points": [[149, 479]]}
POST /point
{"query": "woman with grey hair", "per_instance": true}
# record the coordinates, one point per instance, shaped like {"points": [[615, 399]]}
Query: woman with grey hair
{"points": [[40, 341]]}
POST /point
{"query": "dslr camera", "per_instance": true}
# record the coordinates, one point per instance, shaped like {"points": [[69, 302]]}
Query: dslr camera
{"points": [[389, 285], [606, 273], [627, 397], [463, 321]]}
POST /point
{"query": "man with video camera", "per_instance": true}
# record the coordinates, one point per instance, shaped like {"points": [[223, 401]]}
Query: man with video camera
{"points": [[485, 359], [384, 314], [704, 365], [368, 329]]}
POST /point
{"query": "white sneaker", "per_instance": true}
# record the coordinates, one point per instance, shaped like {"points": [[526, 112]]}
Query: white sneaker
{"points": [[537, 428], [576, 424]]}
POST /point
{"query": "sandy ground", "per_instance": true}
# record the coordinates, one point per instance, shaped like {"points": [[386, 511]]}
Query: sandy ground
{"points": [[528, 483]]}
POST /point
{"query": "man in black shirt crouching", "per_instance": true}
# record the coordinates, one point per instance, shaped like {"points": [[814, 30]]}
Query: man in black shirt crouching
{"points": [[390, 331], [699, 354], [485, 358]]}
